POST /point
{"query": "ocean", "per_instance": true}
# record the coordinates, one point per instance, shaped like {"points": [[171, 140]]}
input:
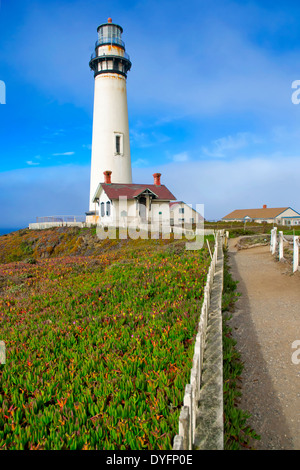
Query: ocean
{"points": [[3, 231]]}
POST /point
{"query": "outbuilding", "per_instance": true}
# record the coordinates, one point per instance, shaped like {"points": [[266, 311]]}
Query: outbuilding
{"points": [[276, 215]]}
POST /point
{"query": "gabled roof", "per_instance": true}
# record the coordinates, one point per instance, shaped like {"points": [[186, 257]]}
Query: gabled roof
{"points": [[140, 191], [131, 191], [264, 213], [176, 202]]}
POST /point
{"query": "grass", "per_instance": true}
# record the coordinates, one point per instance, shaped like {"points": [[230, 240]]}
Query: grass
{"points": [[237, 229], [237, 433], [291, 232]]}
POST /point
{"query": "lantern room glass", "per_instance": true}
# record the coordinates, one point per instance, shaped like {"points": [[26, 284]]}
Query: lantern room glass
{"points": [[110, 34]]}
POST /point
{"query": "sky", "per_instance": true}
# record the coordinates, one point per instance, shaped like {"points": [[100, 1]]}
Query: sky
{"points": [[211, 103]]}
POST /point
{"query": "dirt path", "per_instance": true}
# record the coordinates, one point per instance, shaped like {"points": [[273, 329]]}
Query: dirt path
{"points": [[265, 323]]}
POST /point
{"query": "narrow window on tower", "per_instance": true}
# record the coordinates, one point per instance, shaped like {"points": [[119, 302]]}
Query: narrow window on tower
{"points": [[118, 144]]}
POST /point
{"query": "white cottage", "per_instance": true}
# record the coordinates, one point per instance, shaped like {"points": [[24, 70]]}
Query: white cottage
{"points": [[120, 204]]}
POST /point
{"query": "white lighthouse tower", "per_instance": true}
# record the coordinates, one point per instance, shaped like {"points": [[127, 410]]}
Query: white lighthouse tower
{"points": [[110, 143]]}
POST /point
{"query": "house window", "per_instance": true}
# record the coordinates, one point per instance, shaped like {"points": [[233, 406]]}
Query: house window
{"points": [[181, 210], [108, 208], [102, 209], [192, 220], [181, 220]]}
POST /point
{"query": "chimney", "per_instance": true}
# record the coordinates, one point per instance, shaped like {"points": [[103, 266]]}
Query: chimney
{"points": [[157, 179], [107, 177], [264, 206]]}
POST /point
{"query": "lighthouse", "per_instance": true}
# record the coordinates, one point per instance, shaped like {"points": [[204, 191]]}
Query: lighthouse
{"points": [[110, 142]]}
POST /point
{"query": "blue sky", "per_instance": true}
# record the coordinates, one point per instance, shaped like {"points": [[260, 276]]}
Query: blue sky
{"points": [[209, 98]]}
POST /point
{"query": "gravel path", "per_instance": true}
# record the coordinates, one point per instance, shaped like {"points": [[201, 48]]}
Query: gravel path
{"points": [[265, 323]]}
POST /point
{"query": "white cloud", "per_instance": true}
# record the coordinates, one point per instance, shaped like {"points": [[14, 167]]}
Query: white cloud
{"points": [[222, 187], [222, 71], [44, 28], [63, 154], [225, 72], [181, 157], [60, 190], [220, 147], [226, 185], [147, 138], [140, 162], [31, 163]]}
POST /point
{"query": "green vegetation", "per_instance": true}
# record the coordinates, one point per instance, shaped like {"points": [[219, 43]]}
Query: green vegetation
{"points": [[241, 232], [99, 348], [237, 433], [238, 229], [291, 232], [99, 338]]}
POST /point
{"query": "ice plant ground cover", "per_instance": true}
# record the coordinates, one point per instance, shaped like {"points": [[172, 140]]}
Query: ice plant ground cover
{"points": [[99, 349]]}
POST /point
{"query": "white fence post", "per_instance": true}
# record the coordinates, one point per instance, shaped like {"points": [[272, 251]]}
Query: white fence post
{"points": [[178, 443], [184, 427], [2, 352], [296, 254], [197, 360], [273, 240], [209, 248], [280, 255], [188, 401]]}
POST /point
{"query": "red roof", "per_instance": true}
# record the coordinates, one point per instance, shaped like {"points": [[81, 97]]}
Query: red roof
{"points": [[114, 190]]}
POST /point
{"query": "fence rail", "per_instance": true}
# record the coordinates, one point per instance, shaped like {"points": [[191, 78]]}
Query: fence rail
{"points": [[61, 218], [185, 438]]}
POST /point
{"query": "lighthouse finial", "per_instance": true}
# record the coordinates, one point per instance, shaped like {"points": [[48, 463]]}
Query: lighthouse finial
{"points": [[109, 20]]}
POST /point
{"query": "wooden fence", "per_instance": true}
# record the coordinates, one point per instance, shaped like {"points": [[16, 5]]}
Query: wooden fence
{"points": [[276, 244], [184, 440]]}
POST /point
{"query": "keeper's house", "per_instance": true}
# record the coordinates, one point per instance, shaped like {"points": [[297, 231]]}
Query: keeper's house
{"points": [[135, 204], [277, 215]]}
